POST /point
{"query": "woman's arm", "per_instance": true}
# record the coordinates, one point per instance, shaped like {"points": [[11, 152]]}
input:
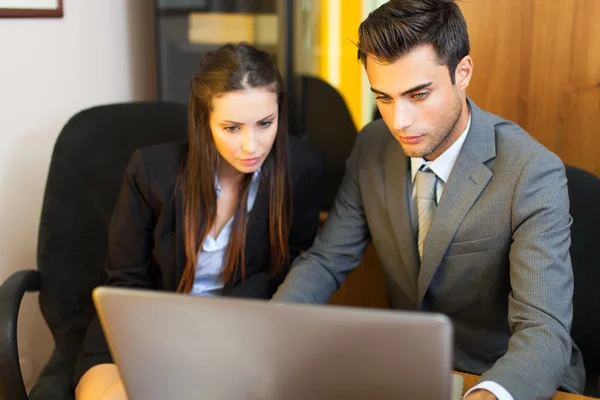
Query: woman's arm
{"points": [[308, 201], [130, 229]]}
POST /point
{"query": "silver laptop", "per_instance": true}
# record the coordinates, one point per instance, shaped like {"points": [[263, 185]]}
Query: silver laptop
{"points": [[174, 346]]}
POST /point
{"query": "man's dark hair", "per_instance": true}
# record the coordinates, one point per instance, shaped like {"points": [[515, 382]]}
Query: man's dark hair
{"points": [[400, 26]]}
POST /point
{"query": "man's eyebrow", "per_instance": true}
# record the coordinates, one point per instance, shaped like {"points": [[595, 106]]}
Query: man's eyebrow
{"points": [[411, 90], [417, 88], [379, 92]]}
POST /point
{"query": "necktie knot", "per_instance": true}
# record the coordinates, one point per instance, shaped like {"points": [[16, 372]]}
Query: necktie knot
{"points": [[425, 182]]}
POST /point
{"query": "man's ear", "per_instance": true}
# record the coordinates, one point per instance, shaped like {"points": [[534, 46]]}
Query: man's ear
{"points": [[463, 73]]}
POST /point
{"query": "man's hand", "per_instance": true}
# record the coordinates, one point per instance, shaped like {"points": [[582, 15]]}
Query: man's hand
{"points": [[480, 395]]}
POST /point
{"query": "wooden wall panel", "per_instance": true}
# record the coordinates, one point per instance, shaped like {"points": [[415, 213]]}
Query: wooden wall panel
{"points": [[582, 133], [537, 62]]}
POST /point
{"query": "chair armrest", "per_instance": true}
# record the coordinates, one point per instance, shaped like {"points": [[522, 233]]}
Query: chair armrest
{"points": [[11, 294]]}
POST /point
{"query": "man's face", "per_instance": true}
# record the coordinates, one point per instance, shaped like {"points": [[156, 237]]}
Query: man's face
{"points": [[418, 101]]}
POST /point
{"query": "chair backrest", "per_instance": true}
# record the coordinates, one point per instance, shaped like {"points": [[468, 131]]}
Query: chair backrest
{"points": [[326, 123], [84, 179], [584, 196]]}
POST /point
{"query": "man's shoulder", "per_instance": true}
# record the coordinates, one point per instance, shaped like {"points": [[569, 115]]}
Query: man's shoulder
{"points": [[514, 145], [373, 139], [375, 132]]}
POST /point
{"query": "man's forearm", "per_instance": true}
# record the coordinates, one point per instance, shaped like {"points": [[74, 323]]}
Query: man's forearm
{"points": [[307, 282]]}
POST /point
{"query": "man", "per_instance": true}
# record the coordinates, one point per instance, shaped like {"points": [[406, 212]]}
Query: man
{"points": [[468, 213]]}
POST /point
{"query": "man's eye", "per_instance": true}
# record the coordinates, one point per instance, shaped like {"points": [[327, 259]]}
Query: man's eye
{"points": [[421, 96], [384, 99]]}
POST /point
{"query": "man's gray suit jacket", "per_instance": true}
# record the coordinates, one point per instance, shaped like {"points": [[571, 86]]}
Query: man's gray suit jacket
{"points": [[496, 258]]}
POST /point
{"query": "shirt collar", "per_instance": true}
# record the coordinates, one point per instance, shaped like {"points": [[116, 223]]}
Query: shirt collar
{"points": [[255, 178], [442, 166]]}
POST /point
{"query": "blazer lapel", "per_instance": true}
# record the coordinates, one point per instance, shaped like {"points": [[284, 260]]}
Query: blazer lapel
{"points": [[467, 180], [396, 183], [257, 232], [180, 257]]}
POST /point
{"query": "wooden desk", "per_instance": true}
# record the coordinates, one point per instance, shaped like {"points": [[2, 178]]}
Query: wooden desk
{"points": [[470, 381]]}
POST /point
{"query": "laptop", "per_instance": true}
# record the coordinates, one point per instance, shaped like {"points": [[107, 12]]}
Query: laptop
{"points": [[175, 346]]}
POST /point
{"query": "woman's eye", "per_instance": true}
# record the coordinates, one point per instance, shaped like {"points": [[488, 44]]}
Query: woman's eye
{"points": [[265, 124], [231, 128]]}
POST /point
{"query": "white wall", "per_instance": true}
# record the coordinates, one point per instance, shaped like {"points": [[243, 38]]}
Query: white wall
{"points": [[99, 52]]}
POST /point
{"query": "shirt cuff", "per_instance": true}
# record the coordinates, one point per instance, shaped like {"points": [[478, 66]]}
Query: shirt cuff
{"points": [[494, 388]]}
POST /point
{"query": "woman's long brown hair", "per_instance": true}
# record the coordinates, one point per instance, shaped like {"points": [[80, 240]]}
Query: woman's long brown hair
{"points": [[230, 68]]}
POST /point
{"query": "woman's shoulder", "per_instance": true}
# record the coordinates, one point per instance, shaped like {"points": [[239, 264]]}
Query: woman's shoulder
{"points": [[163, 154], [163, 157], [158, 165]]}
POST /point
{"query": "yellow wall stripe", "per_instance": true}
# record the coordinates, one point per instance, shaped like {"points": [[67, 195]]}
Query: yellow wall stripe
{"points": [[323, 42], [338, 31], [350, 68]]}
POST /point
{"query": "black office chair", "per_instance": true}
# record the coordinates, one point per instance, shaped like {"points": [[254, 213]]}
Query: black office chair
{"points": [[584, 196], [326, 123], [85, 175]]}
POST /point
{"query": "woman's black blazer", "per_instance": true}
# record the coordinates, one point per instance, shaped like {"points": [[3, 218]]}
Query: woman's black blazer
{"points": [[146, 244]]}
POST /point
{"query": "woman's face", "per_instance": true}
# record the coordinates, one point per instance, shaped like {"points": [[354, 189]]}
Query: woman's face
{"points": [[244, 125]]}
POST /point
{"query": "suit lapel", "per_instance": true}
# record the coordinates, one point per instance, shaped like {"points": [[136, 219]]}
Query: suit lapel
{"points": [[396, 183], [467, 180]]}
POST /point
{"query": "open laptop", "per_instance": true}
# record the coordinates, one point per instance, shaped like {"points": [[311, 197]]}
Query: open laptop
{"points": [[174, 346]]}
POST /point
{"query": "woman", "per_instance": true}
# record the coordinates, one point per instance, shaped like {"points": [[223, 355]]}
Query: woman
{"points": [[223, 213]]}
